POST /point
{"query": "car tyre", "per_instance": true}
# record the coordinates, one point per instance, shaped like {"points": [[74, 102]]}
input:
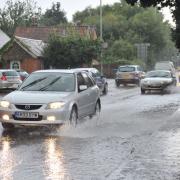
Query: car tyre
{"points": [[73, 117], [143, 91], [8, 126], [138, 83], [117, 84], [105, 91], [97, 112]]}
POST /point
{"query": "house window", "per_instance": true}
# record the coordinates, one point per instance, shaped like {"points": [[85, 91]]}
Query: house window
{"points": [[15, 65]]}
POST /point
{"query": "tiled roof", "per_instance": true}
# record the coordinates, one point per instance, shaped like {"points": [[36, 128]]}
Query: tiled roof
{"points": [[3, 39], [32, 46], [43, 33]]}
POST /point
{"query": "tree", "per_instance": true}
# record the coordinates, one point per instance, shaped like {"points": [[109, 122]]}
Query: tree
{"points": [[54, 16], [175, 9], [17, 13], [65, 52], [125, 25]]}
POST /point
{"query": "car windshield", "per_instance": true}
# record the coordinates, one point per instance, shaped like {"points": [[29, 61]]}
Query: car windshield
{"points": [[48, 81], [159, 74], [126, 69]]}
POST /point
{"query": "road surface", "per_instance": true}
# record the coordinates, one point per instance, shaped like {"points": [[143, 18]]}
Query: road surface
{"points": [[137, 137]]}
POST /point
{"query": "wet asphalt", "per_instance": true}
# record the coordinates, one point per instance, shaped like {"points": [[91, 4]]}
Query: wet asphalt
{"points": [[137, 137]]}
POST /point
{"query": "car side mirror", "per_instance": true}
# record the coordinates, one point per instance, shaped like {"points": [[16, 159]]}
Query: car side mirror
{"points": [[102, 76], [83, 87]]}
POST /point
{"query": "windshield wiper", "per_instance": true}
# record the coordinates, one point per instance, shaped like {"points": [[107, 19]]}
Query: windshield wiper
{"points": [[33, 83], [51, 83]]}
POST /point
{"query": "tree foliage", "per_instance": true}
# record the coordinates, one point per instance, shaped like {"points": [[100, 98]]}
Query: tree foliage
{"points": [[53, 16], [65, 52], [174, 5], [125, 25], [17, 13]]}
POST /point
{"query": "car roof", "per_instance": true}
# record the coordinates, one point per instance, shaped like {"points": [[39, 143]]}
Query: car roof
{"points": [[159, 71], [129, 66], [69, 71], [2, 70]]}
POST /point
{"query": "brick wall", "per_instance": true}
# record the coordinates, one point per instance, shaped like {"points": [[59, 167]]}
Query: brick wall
{"points": [[31, 64]]}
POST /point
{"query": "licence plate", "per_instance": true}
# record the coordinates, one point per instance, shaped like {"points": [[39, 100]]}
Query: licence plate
{"points": [[30, 115], [127, 76]]}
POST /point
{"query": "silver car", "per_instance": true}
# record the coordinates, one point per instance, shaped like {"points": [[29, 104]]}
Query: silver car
{"points": [[51, 97], [157, 80], [9, 79]]}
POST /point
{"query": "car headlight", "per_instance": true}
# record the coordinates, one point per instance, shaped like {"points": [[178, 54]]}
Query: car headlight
{"points": [[55, 105], [5, 104]]}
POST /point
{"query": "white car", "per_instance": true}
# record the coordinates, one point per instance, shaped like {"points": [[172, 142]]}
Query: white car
{"points": [[157, 80], [9, 79], [51, 97]]}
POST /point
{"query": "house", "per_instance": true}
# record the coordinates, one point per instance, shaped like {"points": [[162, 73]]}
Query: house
{"points": [[24, 54], [26, 50]]}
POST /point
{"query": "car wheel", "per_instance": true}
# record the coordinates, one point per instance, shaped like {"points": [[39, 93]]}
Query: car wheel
{"points": [[97, 112], [138, 83], [142, 91], [117, 84], [73, 117], [105, 91], [7, 126]]}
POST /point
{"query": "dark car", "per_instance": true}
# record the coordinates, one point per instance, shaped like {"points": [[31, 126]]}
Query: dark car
{"points": [[129, 74], [100, 80]]}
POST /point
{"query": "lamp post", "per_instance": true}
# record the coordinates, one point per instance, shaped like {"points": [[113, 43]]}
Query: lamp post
{"points": [[101, 37]]}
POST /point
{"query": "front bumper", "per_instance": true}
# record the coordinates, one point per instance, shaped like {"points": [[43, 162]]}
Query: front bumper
{"points": [[61, 117], [155, 87], [32, 123]]}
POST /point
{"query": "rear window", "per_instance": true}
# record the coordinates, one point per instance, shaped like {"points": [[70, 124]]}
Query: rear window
{"points": [[10, 73], [126, 69]]}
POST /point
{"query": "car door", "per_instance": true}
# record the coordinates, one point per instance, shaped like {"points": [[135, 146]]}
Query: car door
{"points": [[92, 92], [83, 97]]}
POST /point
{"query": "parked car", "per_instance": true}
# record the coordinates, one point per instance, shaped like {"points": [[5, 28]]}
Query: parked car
{"points": [[51, 97], [23, 74], [100, 80], [9, 79], [157, 80], [129, 74]]}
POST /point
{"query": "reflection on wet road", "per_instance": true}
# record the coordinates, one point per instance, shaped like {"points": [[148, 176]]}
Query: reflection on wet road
{"points": [[54, 165], [138, 137], [7, 160]]}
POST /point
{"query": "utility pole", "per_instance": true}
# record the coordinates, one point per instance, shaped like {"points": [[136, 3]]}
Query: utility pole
{"points": [[101, 37]]}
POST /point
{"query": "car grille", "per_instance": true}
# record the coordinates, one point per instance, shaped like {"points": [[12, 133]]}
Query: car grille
{"points": [[28, 107], [28, 119]]}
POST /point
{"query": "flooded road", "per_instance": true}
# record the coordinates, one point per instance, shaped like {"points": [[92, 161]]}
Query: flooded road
{"points": [[137, 137]]}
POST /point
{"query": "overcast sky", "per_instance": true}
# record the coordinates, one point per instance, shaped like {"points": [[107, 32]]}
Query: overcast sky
{"points": [[71, 6]]}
